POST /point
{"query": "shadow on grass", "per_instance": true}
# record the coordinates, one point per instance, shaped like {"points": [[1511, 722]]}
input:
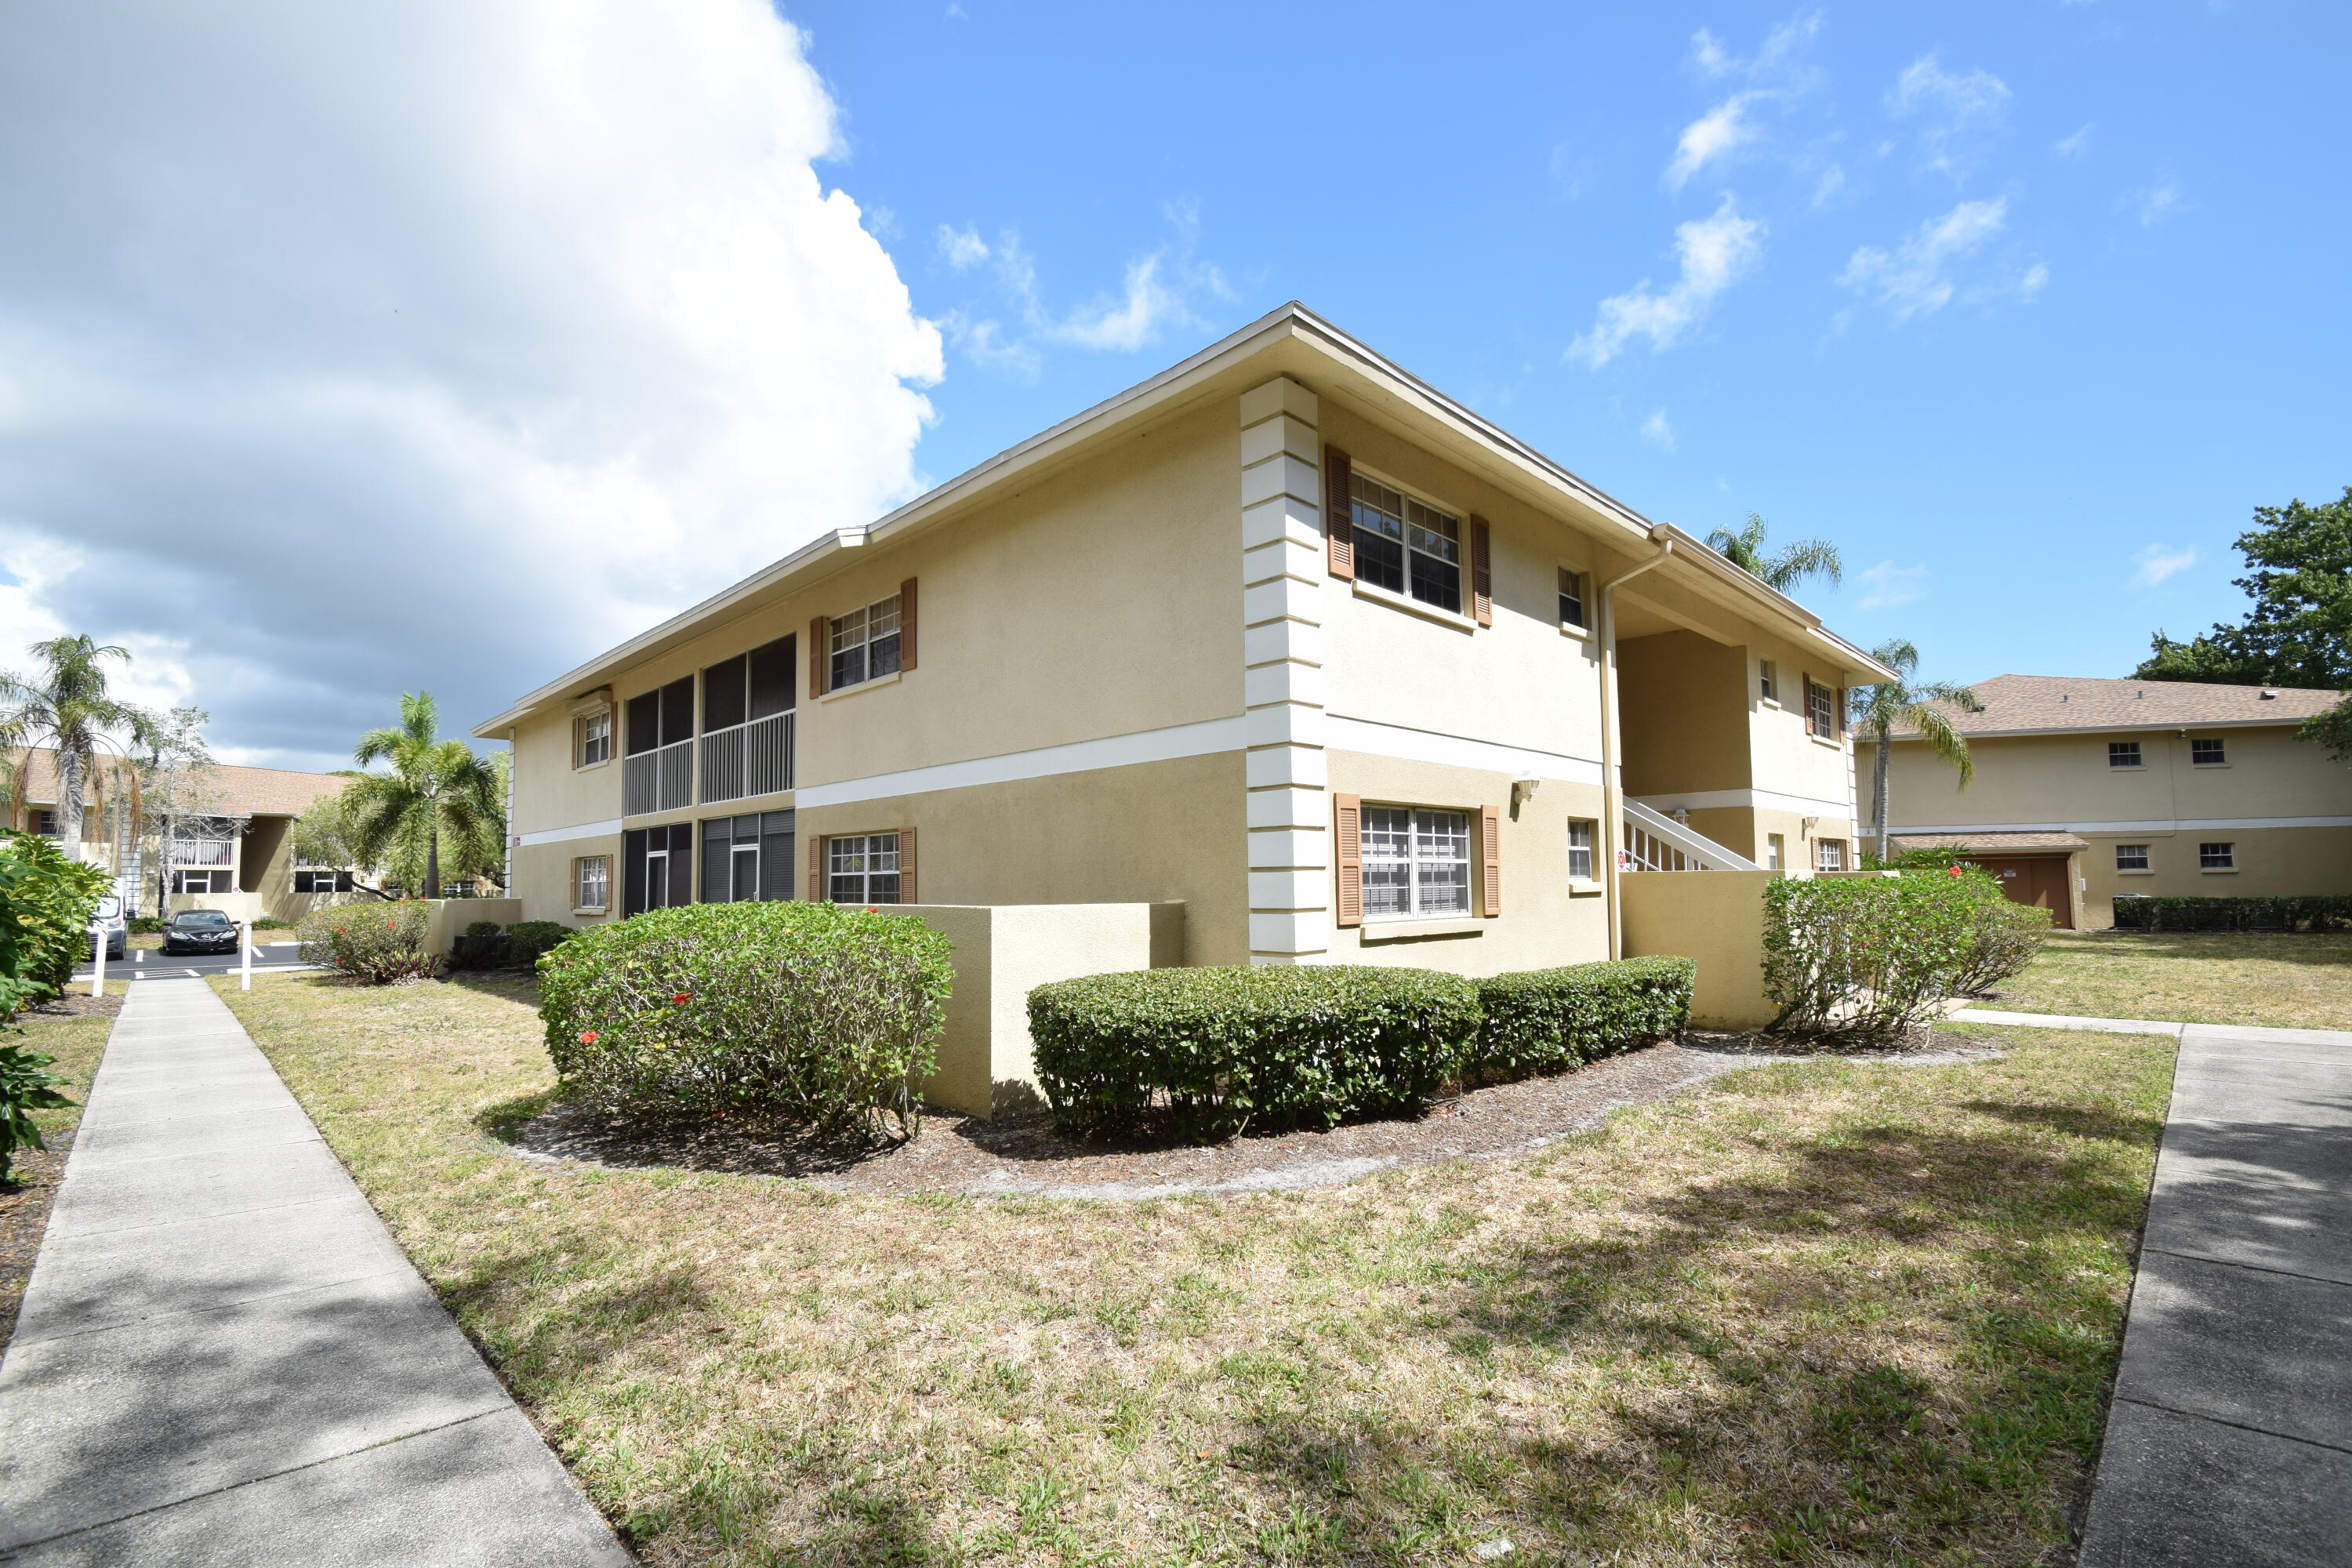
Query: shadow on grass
{"points": [[2322, 949]]}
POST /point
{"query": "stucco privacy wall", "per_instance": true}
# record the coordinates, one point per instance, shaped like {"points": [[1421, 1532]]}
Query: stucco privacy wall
{"points": [[1716, 919], [1002, 953]]}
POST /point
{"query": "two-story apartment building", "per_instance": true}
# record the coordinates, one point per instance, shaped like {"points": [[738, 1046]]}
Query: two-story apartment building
{"points": [[2118, 787], [1282, 633]]}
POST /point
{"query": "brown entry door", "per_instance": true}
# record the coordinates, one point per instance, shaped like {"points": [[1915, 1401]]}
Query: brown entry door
{"points": [[2039, 879]]}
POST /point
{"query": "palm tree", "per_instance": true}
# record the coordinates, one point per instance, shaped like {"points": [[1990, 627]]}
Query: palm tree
{"points": [[67, 707], [437, 793], [1927, 707], [1794, 563]]}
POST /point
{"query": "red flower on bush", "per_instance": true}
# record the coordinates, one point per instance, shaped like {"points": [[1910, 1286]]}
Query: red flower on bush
{"points": [[1954, 870], [872, 910], [681, 997], [587, 1036]]}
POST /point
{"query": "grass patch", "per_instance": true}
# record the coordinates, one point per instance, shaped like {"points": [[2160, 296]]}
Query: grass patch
{"points": [[2281, 979], [1829, 1311]]}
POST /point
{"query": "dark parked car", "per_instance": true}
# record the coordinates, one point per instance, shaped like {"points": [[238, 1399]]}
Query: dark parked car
{"points": [[200, 931]]}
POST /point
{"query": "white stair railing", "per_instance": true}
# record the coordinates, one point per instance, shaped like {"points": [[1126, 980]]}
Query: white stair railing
{"points": [[1656, 842]]}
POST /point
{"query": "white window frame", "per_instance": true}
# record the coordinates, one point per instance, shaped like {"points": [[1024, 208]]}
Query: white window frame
{"points": [[1826, 850], [592, 730], [1775, 851], [855, 633], [2221, 757], [306, 867], [847, 880], [2218, 855], [1768, 681], [1408, 524], [2117, 749], [602, 881], [1429, 831], [2139, 850], [1574, 589], [1583, 828]]}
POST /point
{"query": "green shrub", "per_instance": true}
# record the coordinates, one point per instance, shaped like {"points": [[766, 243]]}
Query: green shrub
{"points": [[270, 922], [46, 904], [814, 1015], [2007, 936], [527, 939], [144, 925], [373, 943], [483, 928], [1866, 958], [1549, 1020], [24, 1088], [1215, 1050], [2305, 914]]}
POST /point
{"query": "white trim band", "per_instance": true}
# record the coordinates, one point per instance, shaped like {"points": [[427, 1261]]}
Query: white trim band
{"points": [[1375, 739], [565, 834], [1178, 740], [1749, 799], [2158, 826]]}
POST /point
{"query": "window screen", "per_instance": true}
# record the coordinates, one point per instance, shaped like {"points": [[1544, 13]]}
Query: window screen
{"points": [[1416, 862], [1571, 599], [1406, 547], [862, 868], [747, 856], [2208, 754], [2131, 857], [2123, 753]]}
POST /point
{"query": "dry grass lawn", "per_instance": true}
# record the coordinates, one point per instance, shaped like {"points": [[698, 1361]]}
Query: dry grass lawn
{"points": [[1830, 1312], [76, 1045], [2284, 980]]}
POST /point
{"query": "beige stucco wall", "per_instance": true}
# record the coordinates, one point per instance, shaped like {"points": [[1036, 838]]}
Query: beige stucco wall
{"points": [[1714, 919], [542, 874], [1546, 920], [1685, 714]]}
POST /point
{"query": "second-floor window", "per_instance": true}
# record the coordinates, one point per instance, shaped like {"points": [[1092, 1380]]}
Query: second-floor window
{"points": [[2208, 754], [864, 644], [1406, 547], [2123, 753], [593, 742], [1571, 599], [1822, 709], [1768, 681]]}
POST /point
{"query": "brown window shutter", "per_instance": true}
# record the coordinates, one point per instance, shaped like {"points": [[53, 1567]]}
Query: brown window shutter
{"points": [[1490, 860], [1348, 859], [819, 644], [907, 623], [1805, 689], [1338, 514], [816, 867], [907, 866], [1482, 572]]}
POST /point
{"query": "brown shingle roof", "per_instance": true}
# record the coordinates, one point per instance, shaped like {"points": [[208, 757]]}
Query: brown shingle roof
{"points": [[2019, 704], [1990, 843], [243, 792]]}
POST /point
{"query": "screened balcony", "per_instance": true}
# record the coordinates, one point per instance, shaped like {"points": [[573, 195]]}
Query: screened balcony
{"points": [[747, 723], [658, 768]]}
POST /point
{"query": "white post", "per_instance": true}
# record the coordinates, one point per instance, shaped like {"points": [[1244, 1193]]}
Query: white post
{"points": [[245, 981], [97, 969]]}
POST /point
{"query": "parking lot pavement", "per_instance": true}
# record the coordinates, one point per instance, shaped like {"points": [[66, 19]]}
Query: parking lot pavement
{"points": [[147, 964]]}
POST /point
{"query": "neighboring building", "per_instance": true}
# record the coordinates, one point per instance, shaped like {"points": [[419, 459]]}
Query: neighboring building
{"points": [[2156, 787], [233, 854], [1282, 633]]}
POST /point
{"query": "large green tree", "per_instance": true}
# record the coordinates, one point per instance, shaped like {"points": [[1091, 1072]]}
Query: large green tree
{"points": [[2299, 629], [439, 802], [1790, 565], [67, 706], [1926, 706]]}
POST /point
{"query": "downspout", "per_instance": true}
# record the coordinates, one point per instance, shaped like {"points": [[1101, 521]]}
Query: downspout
{"points": [[1612, 786]]}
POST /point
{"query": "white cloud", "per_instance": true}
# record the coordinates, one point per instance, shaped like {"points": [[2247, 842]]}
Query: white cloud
{"points": [[1715, 252], [2158, 561], [1712, 138], [1917, 280], [962, 247], [1657, 430], [2154, 204], [1826, 188], [344, 351], [1159, 292], [1129, 322], [1957, 113], [2073, 146], [1709, 57], [1886, 585]]}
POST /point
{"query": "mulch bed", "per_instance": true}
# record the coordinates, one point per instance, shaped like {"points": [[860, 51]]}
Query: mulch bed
{"points": [[76, 1004], [25, 1200], [1019, 1155]]}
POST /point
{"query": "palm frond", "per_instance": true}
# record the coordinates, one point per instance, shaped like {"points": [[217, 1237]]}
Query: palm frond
{"points": [[1935, 728], [1805, 558]]}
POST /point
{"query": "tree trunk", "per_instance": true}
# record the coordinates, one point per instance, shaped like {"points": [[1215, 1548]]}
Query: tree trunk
{"points": [[71, 781], [433, 862], [1878, 768]]}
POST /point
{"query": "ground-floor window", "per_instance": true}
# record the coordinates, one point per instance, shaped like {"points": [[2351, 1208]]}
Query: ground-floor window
{"points": [[314, 878], [2131, 857], [2217, 857], [747, 856], [1416, 862], [862, 868], [1829, 855], [1579, 851], [592, 882], [214, 881], [657, 867]]}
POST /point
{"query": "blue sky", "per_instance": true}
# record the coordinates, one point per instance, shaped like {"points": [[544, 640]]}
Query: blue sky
{"points": [[2032, 429], [346, 352]]}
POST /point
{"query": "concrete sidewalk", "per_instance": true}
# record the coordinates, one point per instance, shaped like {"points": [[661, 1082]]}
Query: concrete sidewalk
{"points": [[225, 1358], [2229, 1440]]}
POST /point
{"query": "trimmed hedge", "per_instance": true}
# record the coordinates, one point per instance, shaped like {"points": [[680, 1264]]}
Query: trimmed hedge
{"points": [[1549, 1020], [1215, 1050], [2319, 912], [814, 1015], [1867, 958], [527, 941], [373, 943]]}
